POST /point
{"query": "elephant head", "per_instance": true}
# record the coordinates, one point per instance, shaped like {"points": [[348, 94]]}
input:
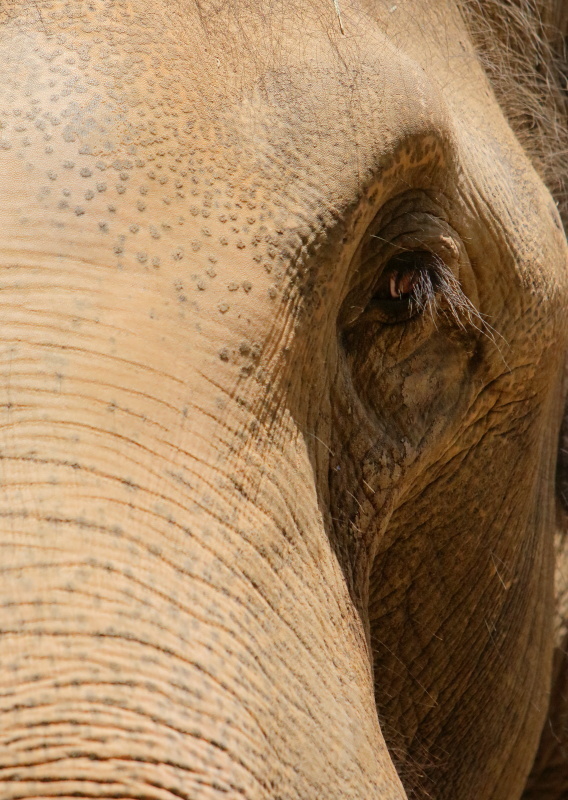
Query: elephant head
{"points": [[283, 309]]}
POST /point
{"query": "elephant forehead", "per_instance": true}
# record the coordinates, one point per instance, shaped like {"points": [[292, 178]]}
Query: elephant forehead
{"points": [[268, 123], [110, 101], [116, 82]]}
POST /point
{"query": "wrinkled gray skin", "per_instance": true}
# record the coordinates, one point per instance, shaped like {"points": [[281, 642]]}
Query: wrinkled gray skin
{"points": [[261, 537]]}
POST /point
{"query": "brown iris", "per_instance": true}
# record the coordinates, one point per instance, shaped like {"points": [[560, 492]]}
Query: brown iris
{"points": [[407, 286], [404, 276], [402, 284]]}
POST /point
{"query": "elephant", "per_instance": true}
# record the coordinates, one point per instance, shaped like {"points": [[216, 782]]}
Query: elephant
{"points": [[283, 302]]}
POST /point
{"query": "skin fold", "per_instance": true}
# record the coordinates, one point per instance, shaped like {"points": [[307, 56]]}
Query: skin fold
{"points": [[263, 535]]}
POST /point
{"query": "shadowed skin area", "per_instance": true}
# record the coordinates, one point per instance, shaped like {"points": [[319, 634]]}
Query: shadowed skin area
{"points": [[261, 538]]}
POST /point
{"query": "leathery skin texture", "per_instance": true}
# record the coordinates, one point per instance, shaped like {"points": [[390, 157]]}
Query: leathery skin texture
{"points": [[261, 537]]}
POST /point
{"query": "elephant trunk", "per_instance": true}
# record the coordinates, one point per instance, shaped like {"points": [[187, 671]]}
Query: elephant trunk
{"points": [[169, 627]]}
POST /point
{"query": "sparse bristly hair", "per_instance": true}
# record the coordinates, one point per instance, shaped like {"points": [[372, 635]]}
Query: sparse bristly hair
{"points": [[523, 45]]}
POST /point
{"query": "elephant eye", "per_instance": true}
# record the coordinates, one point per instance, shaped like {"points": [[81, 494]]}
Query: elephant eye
{"points": [[406, 269], [402, 283], [407, 286]]}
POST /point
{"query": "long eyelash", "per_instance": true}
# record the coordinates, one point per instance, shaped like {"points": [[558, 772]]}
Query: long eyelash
{"points": [[438, 282]]}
